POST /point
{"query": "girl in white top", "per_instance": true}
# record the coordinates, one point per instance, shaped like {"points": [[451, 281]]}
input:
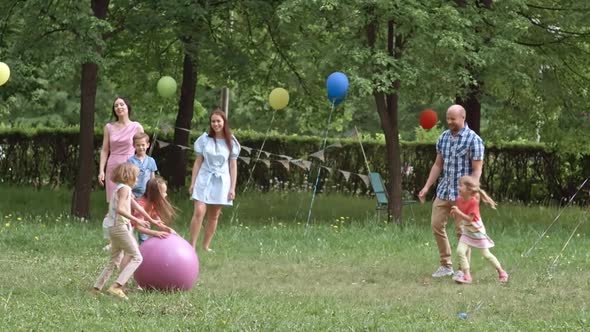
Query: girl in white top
{"points": [[213, 181], [122, 240]]}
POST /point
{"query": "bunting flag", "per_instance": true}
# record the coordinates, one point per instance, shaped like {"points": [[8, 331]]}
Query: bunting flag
{"points": [[285, 164], [166, 128], [365, 179], [305, 164], [353, 133], [162, 144], [247, 149], [319, 154], [345, 174], [183, 129], [335, 145], [284, 160]]}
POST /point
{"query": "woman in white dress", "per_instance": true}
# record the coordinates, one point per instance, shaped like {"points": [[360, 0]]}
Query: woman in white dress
{"points": [[213, 181]]}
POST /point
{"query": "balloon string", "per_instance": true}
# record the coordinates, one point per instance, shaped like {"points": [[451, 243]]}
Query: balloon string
{"points": [[259, 152], [235, 212], [317, 180], [155, 132], [528, 252]]}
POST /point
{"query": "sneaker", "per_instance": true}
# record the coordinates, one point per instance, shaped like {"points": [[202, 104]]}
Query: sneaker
{"points": [[503, 277], [95, 292], [118, 292], [463, 280], [443, 271], [107, 247], [458, 275]]}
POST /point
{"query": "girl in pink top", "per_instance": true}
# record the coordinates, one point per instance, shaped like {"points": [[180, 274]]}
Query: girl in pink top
{"points": [[474, 232], [117, 143]]}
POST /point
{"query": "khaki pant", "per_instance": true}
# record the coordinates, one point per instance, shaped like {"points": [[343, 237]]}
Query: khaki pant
{"points": [[440, 216], [123, 243]]}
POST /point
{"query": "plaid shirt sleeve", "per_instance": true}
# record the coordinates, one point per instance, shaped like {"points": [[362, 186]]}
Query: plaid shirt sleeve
{"points": [[477, 149]]}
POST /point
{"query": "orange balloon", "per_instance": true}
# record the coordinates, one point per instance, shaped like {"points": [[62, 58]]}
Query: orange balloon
{"points": [[428, 119]]}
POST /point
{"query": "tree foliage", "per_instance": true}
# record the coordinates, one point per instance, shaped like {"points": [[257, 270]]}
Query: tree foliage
{"points": [[526, 62]]}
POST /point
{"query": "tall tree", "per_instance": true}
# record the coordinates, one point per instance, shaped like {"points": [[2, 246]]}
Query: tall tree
{"points": [[88, 84], [68, 35], [387, 101]]}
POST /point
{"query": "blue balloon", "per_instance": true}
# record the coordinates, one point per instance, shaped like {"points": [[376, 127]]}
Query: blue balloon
{"points": [[337, 84]]}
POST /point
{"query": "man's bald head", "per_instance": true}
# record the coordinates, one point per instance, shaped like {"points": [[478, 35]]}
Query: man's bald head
{"points": [[456, 118], [456, 110]]}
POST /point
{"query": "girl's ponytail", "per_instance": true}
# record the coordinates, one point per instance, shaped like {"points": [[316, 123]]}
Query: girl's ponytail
{"points": [[472, 185], [486, 198]]}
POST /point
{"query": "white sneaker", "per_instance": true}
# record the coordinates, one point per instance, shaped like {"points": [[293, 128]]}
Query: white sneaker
{"points": [[443, 271], [107, 247]]}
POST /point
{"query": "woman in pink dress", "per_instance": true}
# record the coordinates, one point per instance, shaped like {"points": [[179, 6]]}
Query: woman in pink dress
{"points": [[117, 143]]}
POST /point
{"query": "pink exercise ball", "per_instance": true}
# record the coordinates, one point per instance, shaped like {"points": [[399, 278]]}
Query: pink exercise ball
{"points": [[168, 264]]}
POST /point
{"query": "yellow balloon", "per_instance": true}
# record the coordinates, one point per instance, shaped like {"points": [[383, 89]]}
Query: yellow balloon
{"points": [[4, 73], [278, 98]]}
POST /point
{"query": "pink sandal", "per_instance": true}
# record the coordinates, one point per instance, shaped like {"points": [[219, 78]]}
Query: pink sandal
{"points": [[503, 277], [463, 280]]}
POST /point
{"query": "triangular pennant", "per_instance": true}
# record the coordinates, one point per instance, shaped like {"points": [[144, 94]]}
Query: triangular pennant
{"points": [[266, 153], [166, 128], [335, 145], [245, 159], [354, 133], [284, 156], [305, 164], [265, 161], [319, 155], [345, 174], [162, 144], [330, 170], [247, 149], [183, 147], [183, 129], [365, 179], [285, 163]]}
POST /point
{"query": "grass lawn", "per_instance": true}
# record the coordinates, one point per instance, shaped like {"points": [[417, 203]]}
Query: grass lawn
{"points": [[346, 272]]}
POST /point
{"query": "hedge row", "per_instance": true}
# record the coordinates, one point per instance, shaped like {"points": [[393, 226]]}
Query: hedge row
{"points": [[528, 173]]}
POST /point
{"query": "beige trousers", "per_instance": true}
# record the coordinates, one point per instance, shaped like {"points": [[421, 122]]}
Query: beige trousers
{"points": [[440, 216], [122, 243]]}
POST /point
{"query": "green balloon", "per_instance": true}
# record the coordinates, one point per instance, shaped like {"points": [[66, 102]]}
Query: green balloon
{"points": [[166, 86]]}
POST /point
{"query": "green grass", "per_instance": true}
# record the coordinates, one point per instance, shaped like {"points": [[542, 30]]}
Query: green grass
{"points": [[347, 271]]}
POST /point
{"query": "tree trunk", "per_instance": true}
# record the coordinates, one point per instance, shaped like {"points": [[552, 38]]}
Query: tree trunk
{"points": [[471, 101], [81, 199], [88, 83], [178, 156], [392, 143], [387, 108], [472, 107]]}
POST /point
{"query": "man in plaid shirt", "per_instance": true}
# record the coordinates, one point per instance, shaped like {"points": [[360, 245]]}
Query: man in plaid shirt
{"points": [[459, 152]]}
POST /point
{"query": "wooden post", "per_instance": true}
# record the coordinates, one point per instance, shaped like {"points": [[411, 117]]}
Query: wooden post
{"points": [[224, 104]]}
